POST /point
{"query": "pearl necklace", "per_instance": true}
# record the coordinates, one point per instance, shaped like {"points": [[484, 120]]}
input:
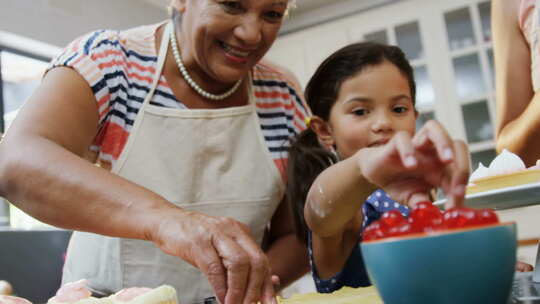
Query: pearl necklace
{"points": [[190, 80]]}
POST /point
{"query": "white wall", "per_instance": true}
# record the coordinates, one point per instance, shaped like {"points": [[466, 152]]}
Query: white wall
{"points": [[57, 22], [311, 13]]}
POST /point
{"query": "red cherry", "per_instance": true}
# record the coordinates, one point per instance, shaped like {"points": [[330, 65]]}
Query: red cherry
{"points": [[392, 218], [403, 229], [373, 232], [486, 217], [424, 204], [460, 217], [426, 217]]}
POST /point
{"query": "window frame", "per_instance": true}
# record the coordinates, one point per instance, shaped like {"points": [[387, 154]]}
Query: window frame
{"points": [[18, 52]]}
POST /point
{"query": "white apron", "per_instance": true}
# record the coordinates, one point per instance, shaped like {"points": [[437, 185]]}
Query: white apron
{"points": [[212, 161]]}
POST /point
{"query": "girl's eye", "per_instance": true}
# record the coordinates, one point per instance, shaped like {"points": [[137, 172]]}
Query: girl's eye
{"points": [[231, 5], [400, 109], [360, 112], [274, 15]]}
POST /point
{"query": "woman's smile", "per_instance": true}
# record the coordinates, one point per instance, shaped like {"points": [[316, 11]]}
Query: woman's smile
{"points": [[235, 54]]}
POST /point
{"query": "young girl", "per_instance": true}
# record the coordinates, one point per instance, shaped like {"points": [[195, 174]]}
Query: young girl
{"points": [[361, 138]]}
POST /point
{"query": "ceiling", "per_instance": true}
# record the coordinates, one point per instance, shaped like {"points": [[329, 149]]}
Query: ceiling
{"points": [[306, 5], [159, 3]]}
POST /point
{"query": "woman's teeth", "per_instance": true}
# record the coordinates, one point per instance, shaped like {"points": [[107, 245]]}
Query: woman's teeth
{"points": [[233, 51]]}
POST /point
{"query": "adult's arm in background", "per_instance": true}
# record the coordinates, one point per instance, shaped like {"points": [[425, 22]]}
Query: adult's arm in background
{"points": [[518, 107]]}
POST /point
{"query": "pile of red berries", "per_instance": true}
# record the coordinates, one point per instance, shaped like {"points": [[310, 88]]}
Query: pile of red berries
{"points": [[426, 217]]}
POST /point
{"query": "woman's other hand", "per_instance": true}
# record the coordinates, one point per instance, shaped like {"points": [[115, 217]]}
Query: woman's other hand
{"points": [[224, 250], [523, 267], [408, 168]]}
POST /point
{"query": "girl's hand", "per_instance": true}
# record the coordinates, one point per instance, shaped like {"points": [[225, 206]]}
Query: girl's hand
{"points": [[408, 168]]}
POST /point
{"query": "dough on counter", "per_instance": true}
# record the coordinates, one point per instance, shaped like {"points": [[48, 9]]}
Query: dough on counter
{"points": [[163, 294], [4, 299], [78, 293], [346, 295]]}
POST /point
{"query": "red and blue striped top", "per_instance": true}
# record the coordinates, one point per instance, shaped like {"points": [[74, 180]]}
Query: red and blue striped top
{"points": [[119, 67]]}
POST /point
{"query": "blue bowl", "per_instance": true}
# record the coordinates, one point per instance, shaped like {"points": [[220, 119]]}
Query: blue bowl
{"points": [[466, 266]]}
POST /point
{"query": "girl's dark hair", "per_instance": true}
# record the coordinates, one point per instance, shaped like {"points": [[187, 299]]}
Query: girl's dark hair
{"points": [[307, 158]]}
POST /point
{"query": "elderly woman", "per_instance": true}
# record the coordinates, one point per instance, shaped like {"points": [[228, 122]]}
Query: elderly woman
{"points": [[164, 147]]}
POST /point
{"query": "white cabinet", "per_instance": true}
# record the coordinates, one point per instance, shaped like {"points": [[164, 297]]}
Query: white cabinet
{"points": [[449, 45]]}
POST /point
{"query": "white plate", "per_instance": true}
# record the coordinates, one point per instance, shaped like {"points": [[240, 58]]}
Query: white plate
{"points": [[504, 198]]}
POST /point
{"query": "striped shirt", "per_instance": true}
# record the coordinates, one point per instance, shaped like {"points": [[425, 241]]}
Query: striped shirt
{"points": [[119, 67]]}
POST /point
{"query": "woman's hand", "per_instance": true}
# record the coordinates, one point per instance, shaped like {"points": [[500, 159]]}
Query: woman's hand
{"points": [[523, 267], [224, 250], [408, 168]]}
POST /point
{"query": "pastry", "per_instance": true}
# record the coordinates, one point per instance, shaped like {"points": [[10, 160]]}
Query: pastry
{"points": [[506, 170], [5, 288]]}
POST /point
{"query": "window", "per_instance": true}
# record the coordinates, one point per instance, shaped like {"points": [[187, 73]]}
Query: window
{"points": [[20, 77], [467, 30], [20, 74]]}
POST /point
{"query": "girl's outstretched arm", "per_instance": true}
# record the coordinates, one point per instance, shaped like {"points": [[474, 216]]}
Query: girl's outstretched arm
{"points": [[332, 213], [335, 198]]}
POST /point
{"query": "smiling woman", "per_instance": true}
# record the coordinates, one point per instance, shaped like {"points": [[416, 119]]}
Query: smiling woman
{"points": [[169, 164]]}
